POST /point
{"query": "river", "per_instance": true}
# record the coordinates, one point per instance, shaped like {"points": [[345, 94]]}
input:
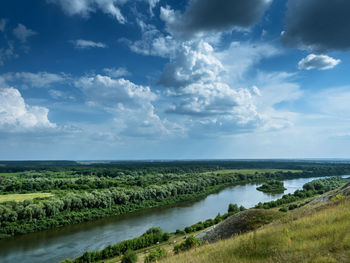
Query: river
{"points": [[72, 241]]}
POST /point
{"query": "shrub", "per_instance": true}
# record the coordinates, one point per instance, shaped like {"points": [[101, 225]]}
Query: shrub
{"points": [[232, 208], [155, 255], [190, 242], [283, 209], [129, 257]]}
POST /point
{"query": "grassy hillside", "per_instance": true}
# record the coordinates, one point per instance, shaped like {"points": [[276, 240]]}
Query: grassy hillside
{"points": [[318, 233]]}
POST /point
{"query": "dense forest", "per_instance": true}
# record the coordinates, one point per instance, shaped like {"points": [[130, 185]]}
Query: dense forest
{"points": [[82, 192]]}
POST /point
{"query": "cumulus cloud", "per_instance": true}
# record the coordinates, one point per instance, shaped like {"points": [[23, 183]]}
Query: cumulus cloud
{"points": [[131, 104], [318, 26], [17, 116], [321, 62], [23, 33], [110, 92], [214, 16], [209, 92], [194, 62], [35, 80], [116, 72], [86, 44], [86, 7], [153, 42], [197, 88]]}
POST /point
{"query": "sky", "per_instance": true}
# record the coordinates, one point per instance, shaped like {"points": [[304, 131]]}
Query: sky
{"points": [[174, 79]]}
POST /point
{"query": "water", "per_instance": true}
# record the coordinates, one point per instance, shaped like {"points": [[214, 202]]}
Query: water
{"points": [[72, 241]]}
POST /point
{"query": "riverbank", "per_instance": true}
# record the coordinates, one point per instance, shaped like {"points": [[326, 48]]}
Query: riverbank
{"points": [[242, 222], [74, 240], [19, 218], [314, 233]]}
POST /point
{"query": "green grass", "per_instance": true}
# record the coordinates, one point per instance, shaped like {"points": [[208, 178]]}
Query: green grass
{"points": [[317, 234], [22, 197], [9, 174]]}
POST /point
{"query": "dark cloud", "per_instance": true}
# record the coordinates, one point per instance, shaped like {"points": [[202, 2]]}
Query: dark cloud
{"points": [[317, 25], [218, 15]]}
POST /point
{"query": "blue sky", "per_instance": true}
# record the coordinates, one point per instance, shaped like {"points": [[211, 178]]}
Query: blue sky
{"points": [[158, 79]]}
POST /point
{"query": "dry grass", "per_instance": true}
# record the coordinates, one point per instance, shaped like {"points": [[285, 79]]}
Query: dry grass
{"points": [[22, 197], [311, 234]]}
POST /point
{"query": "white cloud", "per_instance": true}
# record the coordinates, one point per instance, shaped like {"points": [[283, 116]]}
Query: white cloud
{"points": [[197, 88], [17, 116], [153, 42], [109, 92], [131, 105], [242, 56], [195, 62], [218, 92], [321, 62], [35, 80], [86, 7], [116, 72], [58, 94], [152, 5], [23, 33], [86, 44]]}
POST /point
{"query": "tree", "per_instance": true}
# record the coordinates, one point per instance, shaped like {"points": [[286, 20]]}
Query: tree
{"points": [[233, 208], [129, 256]]}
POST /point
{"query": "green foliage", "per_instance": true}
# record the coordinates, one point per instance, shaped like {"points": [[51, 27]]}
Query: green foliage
{"points": [[155, 255], [151, 237], [242, 208], [189, 243], [310, 189], [233, 208], [283, 209], [338, 197], [272, 186], [91, 191], [129, 257]]}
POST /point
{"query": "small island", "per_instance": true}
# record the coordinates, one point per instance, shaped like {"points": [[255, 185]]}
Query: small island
{"points": [[272, 187]]}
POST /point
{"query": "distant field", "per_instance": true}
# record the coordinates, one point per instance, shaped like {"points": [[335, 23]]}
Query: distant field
{"points": [[22, 197], [9, 174], [252, 171]]}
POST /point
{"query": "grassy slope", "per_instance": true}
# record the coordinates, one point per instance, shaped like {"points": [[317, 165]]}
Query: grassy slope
{"points": [[317, 233], [22, 197]]}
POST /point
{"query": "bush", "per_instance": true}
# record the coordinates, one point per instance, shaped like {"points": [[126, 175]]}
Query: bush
{"points": [[242, 208], [233, 208], [190, 242], [166, 236], [129, 257], [155, 255], [283, 209]]}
